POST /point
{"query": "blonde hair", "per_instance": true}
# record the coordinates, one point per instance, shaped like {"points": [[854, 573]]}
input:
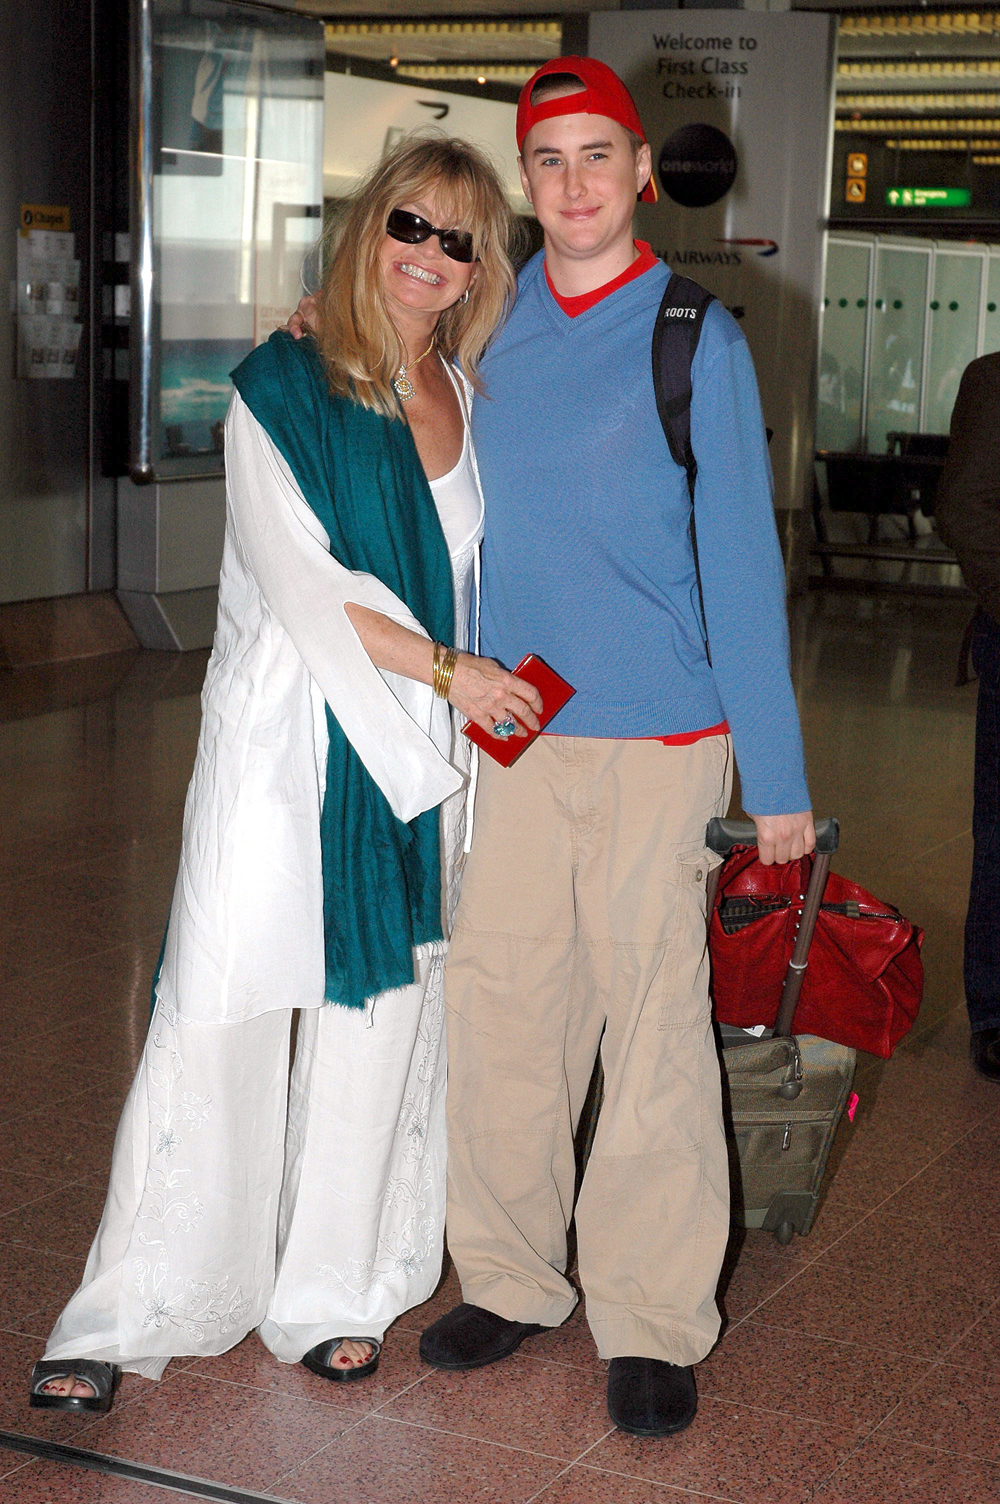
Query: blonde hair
{"points": [[358, 340]]}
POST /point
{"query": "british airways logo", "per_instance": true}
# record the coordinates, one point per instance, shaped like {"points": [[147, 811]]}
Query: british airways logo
{"points": [[762, 247]]}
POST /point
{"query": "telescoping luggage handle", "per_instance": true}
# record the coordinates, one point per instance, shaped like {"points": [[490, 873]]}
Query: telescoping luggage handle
{"points": [[721, 837]]}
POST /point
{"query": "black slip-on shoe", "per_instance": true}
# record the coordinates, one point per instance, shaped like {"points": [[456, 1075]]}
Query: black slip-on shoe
{"points": [[985, 1051], [647, 1397], [469, 1337]]}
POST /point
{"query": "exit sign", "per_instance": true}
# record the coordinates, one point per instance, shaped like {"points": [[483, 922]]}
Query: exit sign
{"points": [[928, 198]]}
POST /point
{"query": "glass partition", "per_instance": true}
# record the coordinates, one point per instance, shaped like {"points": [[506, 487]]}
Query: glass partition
{"points": [[893, 362], [842, 349], [228, 143], [897, 341], [991, 314], [954, 331]]}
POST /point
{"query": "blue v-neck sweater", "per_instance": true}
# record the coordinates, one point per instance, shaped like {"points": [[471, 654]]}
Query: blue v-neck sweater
{"points": [[587, 556]]}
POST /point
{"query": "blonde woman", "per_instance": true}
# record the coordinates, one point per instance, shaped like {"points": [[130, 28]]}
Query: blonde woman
{"points": [[322, 829]]}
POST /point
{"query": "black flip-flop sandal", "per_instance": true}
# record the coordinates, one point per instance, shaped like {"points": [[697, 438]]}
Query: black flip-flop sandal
{"points": [[317, 1360], [103, 1379]]}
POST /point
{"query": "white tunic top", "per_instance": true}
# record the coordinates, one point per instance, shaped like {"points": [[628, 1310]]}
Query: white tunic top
{"points": [[246, 925], [459, 503]]}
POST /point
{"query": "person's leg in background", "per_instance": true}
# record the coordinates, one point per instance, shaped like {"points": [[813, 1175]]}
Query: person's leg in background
{"points": [[982, 925]]}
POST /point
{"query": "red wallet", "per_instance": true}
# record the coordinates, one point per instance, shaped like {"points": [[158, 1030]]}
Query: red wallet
{"points": [[554, 692]]}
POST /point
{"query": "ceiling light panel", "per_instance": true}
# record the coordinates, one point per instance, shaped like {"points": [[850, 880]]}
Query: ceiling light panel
{"points": [[474, 42], [501, 73], [945, 24], [881, 127], [907, 68], [931, 144], [928, 100]]}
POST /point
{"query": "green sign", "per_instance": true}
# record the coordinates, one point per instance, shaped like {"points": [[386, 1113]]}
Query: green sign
{"points": [[928, 198]]}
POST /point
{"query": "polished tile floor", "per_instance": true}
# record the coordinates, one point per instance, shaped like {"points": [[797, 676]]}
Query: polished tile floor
{"points": [[858, 1364]]}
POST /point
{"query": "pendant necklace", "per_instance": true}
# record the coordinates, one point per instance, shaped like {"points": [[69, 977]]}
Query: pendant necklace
{"points": [[402, 385]]}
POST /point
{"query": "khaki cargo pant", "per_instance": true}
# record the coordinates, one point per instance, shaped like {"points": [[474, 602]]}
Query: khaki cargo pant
{"points": [[581, 927]]}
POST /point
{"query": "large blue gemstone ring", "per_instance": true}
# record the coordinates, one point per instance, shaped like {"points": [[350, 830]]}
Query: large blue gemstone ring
{"points": [[505, 728]]}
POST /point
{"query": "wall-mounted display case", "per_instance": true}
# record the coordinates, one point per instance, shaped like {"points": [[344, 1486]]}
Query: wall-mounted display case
{"points": [[227, 199]]}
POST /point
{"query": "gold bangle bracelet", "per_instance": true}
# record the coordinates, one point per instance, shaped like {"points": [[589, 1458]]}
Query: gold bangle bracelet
{"points": [[445, 660], [439, 651], [448, 671]]}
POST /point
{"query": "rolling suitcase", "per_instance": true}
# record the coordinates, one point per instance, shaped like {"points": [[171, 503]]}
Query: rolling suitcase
{"points": [[784, 1095]]}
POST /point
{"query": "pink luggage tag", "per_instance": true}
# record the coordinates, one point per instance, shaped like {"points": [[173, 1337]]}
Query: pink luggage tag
{"points": [[852, 1106]]}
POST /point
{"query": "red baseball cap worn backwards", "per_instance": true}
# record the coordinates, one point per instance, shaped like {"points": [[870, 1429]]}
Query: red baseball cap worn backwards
{"points": [[603, 93]]}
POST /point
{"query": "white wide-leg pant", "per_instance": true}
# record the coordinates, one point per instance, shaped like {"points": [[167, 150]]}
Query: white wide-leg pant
{"points": [[308, 1210]]}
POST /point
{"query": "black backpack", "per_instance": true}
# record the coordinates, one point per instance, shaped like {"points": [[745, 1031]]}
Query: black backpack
{"points": [[676, 334], [675, 340]]}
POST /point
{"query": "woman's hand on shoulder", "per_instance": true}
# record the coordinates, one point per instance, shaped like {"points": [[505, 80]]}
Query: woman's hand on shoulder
{"points": [[486, 693], [305, 319]]}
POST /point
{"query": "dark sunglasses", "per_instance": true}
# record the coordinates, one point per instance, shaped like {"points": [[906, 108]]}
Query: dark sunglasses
{"points": [[412, 230]]}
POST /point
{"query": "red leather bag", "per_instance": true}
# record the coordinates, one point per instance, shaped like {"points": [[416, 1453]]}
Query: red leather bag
{"points": [[865, 977]]}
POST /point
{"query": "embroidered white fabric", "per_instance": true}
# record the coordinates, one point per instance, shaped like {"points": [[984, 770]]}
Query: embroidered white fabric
{"points": [[210, 1177], [236, 1201], [246, 930]]}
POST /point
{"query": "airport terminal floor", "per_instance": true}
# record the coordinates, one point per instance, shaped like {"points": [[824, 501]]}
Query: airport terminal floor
{"points": [[857, 1364]]}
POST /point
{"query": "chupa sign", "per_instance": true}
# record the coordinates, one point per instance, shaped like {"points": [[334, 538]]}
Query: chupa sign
{"points": [[737, 106]]}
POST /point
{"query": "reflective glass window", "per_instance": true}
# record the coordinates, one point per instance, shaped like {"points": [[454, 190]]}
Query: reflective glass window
{"points": [[954, 332], [991, 316], [237, 133], [897, 341], [842, 351]]}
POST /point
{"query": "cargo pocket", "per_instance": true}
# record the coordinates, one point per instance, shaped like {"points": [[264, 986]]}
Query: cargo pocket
{"points": [[684, 998]]}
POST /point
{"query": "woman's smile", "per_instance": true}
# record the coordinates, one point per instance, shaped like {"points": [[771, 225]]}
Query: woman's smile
{"points": [[419, 273]]}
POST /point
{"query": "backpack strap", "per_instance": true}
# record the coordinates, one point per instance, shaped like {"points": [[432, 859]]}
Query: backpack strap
{"points": [[675, 339]]}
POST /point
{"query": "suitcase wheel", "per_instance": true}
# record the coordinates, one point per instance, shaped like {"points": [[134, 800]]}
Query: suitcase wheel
{"points": [[784, 1233]]}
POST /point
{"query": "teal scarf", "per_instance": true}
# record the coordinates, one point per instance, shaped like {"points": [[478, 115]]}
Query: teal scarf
{"points": [[362, 477]]}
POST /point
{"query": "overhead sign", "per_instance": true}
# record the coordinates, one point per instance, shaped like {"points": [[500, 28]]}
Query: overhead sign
{"points": [[928, 198], [731, 125], [856, 190], [857, 164]]}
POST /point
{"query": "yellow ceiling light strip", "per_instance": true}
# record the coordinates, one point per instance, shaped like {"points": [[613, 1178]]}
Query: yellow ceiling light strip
{"points": [[340, 31], [973, 67], [930, 143], [922, 101], [498, 72], [991, 161], [881, 127], [946, 23]]}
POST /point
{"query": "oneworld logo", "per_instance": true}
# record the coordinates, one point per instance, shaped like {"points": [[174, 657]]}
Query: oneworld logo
{"points": [[762, 247]]}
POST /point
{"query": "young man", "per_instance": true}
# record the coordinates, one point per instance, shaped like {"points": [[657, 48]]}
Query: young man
{"points": [[582, 919]]}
